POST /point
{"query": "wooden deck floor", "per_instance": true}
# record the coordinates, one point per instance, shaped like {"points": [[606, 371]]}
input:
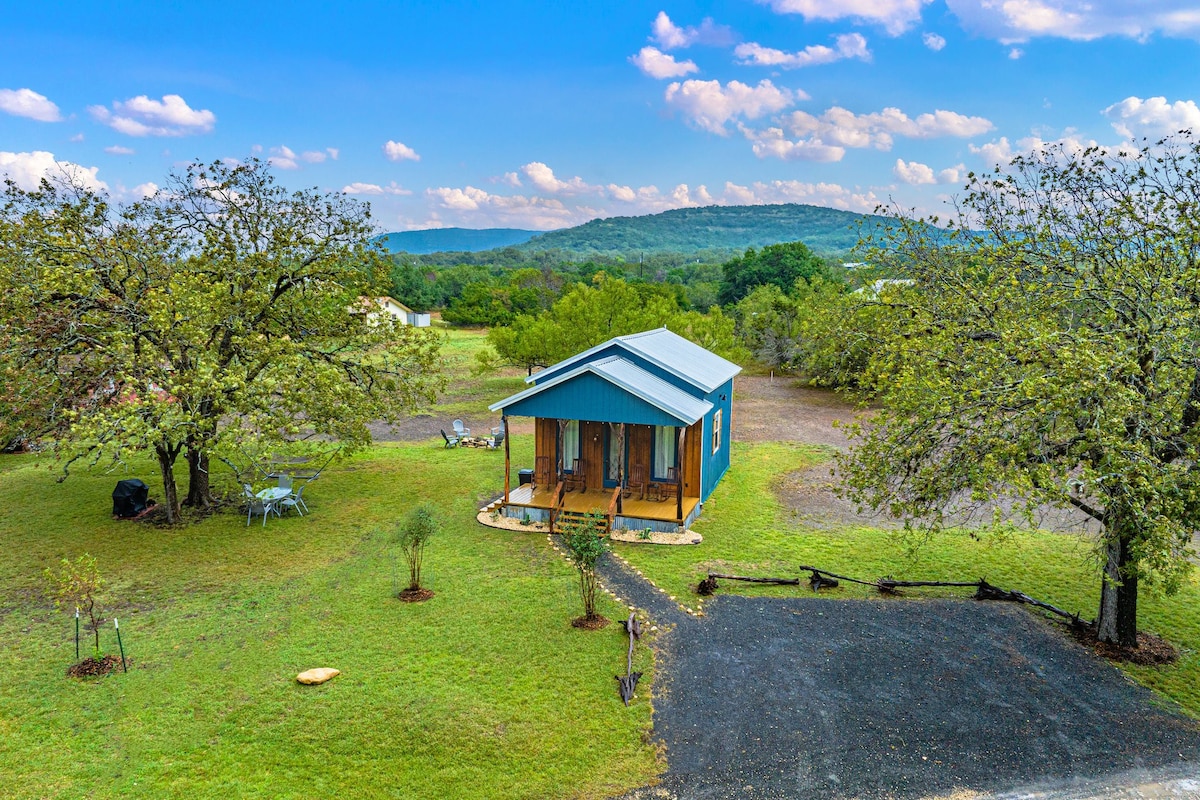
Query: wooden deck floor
{"points": [[583, 502]]}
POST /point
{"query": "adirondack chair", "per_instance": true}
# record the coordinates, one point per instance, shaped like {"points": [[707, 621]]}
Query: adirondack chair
{"points": [[496, 441], [451, 441], [460, 430], [577, 478]]}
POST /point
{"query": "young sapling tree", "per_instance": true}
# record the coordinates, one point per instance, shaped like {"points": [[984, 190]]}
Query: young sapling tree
{"points": [[75, 586], [585, 548], [412, 536]]}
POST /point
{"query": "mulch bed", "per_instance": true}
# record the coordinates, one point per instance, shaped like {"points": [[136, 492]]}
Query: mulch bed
{"points": [[92, 667], [415, 595], [593, 623], [1152, 649]]}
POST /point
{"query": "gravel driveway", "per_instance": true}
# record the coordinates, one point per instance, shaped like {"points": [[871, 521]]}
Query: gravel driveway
{"points": [[770, 698]]}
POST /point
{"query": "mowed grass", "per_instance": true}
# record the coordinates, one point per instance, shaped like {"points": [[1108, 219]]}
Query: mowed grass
{"points": [[469, 394], [485, 691], [747, 532]]}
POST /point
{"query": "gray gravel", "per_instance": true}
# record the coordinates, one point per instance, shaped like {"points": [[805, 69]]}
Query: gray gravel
{"points": [[894, 699]]}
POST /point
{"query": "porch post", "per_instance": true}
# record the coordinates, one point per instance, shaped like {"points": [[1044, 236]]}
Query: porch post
{"points": [[619, 429], [679, 434], [507, 458]]}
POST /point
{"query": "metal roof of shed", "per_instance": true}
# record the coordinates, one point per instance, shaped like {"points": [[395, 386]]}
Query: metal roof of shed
{"points": [[628, 376], [687, 360]]}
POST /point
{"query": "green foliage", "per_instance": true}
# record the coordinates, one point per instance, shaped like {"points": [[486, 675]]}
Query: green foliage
{"points": [[413, 535], [781, 265], [221, 311], [1052, 352], [587, 315], [585, 547], [75, 586]]}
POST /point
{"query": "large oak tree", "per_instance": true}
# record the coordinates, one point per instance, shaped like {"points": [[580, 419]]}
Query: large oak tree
{"points": [[1051, 348], [221, 310]]}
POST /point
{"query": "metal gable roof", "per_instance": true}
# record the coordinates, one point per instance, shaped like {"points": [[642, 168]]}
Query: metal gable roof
{"points": [[689, 361], [633, 379]]}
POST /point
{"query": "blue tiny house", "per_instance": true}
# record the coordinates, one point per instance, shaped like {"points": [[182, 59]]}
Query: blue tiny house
{"points": [[639, 426]]}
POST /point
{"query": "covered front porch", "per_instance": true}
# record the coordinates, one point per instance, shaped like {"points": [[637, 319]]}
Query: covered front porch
{"points": [[660, 513]]}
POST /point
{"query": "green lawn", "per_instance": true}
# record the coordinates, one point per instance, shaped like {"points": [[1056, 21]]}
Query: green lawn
{"points": [[747, 532], [469, 394], [484, 691]]}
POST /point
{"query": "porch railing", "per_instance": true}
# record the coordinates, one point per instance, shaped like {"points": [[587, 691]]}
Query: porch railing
{"points": [[556, 506]]}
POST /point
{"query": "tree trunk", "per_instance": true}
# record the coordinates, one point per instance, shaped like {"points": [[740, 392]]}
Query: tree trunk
{"points": [[198, 489], [166, 465], [1117, 620]]}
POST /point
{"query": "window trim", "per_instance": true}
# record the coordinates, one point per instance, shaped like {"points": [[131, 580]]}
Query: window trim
{"points": [[717, 420]]}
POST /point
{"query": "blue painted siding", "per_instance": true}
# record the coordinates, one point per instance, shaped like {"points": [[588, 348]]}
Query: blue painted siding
{"points": [[589, 397], [715, 465]]}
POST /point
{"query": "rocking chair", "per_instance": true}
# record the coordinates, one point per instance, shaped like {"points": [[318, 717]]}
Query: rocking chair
{"points": [[577, 477]]}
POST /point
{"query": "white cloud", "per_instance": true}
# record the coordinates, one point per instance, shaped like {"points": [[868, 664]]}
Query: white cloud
{"points": [[1015, 53], [1080, 20], [375, 189], [28, 103], [933, 41], [313, 156], [850, 45], [396, 151], [333, 152], [623, 193], [147, 189], [118, 150], [896, 16], [283, 157], [1153, 117], [27, 170], [1000, 153], [511, 179], [670, 36], [914, 173], [657, 64], [76, 138], [773, 143], [141, 116], [709, 105], [480, 207], [542, 178], [804, 136]]}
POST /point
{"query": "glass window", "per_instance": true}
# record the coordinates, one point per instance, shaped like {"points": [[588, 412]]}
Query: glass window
{"points": [[664, 451], [716, 433], [570, 444]]}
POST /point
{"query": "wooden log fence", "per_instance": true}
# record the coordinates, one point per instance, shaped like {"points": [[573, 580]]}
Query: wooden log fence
{"points": [[823, 579]]}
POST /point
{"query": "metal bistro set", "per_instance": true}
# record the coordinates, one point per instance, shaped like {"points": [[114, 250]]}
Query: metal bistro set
{"points": [[286, 495]]}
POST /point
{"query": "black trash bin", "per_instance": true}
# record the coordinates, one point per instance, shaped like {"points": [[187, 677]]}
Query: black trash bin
{"points": [[129, 498], [524, 476]]}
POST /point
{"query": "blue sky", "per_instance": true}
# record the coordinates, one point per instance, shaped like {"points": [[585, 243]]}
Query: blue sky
{"points": [[543, 115]]}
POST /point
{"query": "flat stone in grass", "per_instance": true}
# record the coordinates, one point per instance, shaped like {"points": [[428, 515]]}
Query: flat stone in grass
{"points": [[319, 675]]}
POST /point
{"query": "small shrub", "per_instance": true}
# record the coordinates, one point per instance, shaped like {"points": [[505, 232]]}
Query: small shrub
{"points": [[644, 535], [412, 536]]}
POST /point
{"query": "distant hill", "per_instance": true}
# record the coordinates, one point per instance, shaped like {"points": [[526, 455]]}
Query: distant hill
{"points": [[713, 228], [468, 240]]}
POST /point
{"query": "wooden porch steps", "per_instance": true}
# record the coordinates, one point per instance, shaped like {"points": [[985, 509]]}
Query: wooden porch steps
{"points": [[566, 517]]}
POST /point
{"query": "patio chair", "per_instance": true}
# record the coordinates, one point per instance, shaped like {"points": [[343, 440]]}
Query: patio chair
{"points": [[256, 505], [451, 441], [636, 480], [496, 441], [285, 480], [577, 477], [460, 431], [295, 500]]}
